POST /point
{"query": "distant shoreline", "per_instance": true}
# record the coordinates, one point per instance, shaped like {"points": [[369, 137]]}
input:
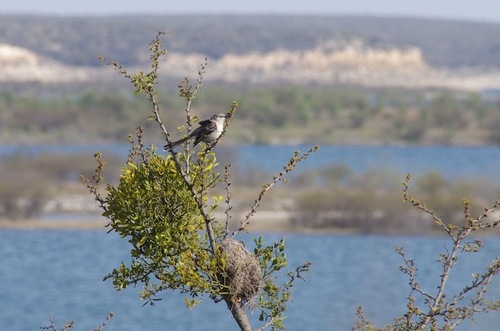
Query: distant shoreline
{"points": [[274, 226], [34, 224], [257, 227], [267, 221]]}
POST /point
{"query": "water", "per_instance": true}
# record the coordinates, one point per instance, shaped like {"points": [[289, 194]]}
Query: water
{"points": [[59, 273], [451, 161]]}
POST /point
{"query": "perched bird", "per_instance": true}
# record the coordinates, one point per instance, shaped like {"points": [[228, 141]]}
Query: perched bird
{"points": [[208, 132]]}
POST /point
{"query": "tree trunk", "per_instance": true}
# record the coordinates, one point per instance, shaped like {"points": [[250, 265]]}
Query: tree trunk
{"points": [[239, 315]]}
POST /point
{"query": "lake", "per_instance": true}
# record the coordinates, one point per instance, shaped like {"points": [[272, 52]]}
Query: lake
{"points": [[451, 161], [59, 274]]}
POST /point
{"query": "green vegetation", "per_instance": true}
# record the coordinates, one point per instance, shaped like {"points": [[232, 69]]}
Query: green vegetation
{"points": [[164, 206], [30, 181], [67, 119], [329, 199], [370, 202], [339, 115]]}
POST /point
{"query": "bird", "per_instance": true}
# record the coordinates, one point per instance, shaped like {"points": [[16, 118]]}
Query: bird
{"points": [[209, 132]]}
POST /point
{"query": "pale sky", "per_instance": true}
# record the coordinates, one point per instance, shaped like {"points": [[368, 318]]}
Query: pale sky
{"points": [[476, 10]]}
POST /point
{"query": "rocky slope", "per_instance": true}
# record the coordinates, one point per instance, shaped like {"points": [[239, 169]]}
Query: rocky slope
{"points": [[348, 62]]}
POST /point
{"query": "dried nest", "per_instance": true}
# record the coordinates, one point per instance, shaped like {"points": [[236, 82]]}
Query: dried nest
{"points": [[241, 276]]}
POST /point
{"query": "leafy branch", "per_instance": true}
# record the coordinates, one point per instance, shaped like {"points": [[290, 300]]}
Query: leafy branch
{"points": [[161, 205]]}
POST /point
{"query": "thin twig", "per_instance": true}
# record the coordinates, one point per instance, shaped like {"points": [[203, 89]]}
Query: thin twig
{"points": [[438, 306], [228, 198], [292, 163], [408, 197]]}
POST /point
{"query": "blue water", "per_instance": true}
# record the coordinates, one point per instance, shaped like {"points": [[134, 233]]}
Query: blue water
{"points": [[59, 274], [451, 161]]}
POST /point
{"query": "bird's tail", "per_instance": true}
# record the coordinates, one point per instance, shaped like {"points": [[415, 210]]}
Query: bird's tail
{"points": [[174, 144]]}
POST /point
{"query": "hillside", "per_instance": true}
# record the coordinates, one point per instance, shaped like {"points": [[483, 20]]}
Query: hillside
{"points": [[79, 40], [367, 51]]}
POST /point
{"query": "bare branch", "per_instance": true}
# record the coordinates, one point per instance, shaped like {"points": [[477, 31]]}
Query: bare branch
{"points": [[292, 163], [450, 311], [228, 198], [407, 197]]}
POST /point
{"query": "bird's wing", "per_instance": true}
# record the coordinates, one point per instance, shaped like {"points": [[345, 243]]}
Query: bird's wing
{"points": [[205, 122], [206, 128]]}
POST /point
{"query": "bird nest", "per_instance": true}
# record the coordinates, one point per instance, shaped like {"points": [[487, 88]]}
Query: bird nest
{"points": [[240, 277]]}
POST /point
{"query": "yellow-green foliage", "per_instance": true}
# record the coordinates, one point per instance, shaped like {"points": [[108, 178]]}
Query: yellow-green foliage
{"points": [[153, 207], [161, 205]]}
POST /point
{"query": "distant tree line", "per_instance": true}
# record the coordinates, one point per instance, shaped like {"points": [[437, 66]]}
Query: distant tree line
{"points": [[334, 197], [339, 115], [29, 182], [371, 202]]}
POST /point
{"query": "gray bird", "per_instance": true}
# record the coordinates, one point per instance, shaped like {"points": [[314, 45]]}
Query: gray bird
{"points": [[208, 132]]}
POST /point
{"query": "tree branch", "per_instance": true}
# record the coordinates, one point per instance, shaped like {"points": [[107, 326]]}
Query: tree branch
{"points": [[292, 163], [239, 314]]}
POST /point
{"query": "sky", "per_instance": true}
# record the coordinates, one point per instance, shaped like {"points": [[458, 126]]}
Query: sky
{"points": [[471, 10]]}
